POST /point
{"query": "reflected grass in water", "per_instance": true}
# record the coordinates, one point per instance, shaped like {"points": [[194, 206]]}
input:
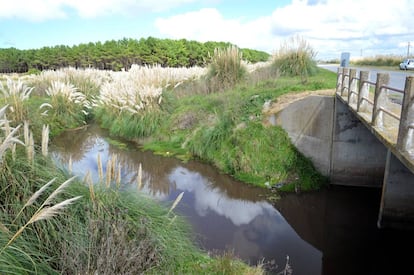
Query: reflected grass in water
{"points": [[117, 143]]}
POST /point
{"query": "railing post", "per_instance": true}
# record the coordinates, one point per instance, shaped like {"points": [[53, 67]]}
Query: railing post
{"points": [[362, 105], [380, 99], [345, 81], [352, 86], [339, 80], [405, 139]]}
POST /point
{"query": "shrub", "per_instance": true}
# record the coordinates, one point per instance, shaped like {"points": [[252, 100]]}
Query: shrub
{"points": [[225, 69], [33, 71], [295, 57], [380, 60]]}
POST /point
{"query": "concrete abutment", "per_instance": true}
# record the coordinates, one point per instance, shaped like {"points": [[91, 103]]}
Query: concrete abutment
{"points": [[344, 148], [397, 200]]}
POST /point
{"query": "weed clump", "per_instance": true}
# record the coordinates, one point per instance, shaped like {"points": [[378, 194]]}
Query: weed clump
{"points": [[226, 69], [295, 57]]}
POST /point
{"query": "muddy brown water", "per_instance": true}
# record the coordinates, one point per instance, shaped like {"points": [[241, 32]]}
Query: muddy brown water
{"points": [[328, 232]]}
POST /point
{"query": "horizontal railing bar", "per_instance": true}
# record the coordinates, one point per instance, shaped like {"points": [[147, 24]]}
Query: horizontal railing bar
{"points": [[392, 89], [369, 82], [390, 113], [368, 100]]}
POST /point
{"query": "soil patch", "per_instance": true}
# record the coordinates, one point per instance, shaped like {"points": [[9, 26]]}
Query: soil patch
{"points": [[281, 102]]}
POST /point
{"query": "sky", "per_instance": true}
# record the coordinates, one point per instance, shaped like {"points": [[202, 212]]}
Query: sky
{"points": [[364, 28]]}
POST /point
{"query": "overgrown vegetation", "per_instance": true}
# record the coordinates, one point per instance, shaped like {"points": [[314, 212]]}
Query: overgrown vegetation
{"points": [[295, 57], [74, 227], [104, 230], [379, 61], [375, 61], [227, 129], [225, 69]]}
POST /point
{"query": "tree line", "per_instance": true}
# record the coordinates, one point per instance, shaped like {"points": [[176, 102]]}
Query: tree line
{"points": [[118, 54]]}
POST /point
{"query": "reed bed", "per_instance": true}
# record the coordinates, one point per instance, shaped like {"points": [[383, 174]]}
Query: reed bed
{"points": [[50, 223], [14, 223], [141, 88], [108, 231], [87, 81], [102, 230]]}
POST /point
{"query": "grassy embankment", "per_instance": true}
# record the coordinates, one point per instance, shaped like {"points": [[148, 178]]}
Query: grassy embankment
{"points": [[51, 223], [227, 130], [218, 118], [105, 230]]}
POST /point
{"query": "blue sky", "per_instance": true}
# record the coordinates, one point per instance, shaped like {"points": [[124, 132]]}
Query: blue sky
{"points": [[361, 27]]}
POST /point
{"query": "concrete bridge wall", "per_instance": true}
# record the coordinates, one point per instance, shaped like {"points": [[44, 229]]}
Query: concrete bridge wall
{"points": [[342, 147], [337, 142], [397, 200], [308, 122]]}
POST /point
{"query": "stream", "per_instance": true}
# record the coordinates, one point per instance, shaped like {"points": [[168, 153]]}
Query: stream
{"points": [[331, 231]]}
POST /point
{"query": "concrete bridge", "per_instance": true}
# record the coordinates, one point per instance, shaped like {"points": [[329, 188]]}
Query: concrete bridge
{"points": [[363, 135]]}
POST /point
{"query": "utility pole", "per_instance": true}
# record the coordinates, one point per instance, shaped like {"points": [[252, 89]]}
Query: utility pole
{"points": [[408, 50]]}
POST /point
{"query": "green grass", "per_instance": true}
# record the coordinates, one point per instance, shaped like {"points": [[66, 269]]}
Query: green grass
{"points": [[129, 125], [107, 231], [226, 129]]}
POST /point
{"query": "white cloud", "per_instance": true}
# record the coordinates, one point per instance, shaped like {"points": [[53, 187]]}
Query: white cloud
{"points": [[34, 10], [358, 26], [345, 19], [207, 198], [40, 10], [209, 25], [331, 26]]}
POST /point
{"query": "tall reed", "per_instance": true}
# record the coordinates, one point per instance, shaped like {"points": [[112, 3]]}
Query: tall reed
{"points": [[15, 93], [45, 140], [295, 57], [64, 98], [44, 211], [226, 68]]}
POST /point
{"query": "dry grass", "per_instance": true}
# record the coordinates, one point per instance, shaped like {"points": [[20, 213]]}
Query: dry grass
{"points": [[140, 89], [226, 69], [295, 57], [45, 140], [9, 138], [117, 243], [15, 92], [65, 95], [83, 79]]}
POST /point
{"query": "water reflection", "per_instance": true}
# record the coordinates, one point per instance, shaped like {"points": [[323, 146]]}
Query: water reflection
{"points": [[208, 197], [225, 214], [255, 230]]}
